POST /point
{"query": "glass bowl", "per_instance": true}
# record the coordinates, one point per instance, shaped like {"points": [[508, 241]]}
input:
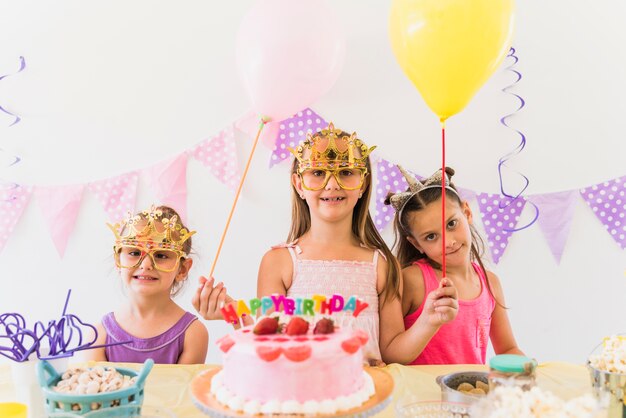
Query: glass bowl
{"points": [[412, 408]]}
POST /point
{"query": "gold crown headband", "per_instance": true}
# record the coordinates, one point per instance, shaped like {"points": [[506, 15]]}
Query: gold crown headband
{"points": [[399, 200], [331, 155], [132, 232]]}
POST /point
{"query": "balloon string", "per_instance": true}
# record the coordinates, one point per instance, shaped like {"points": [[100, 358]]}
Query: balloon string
{"points": [[443, 197], [517, 150], [262, 123]]}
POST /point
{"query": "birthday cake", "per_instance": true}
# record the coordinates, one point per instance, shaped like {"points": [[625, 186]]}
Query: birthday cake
{"points": [[296, 366]]}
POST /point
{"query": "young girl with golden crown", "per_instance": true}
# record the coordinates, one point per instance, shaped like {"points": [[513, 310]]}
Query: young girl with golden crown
{"points": [[333, 247], [151, 253], [481, 314]]}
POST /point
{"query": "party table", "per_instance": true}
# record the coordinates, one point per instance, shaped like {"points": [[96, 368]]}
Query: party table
{"points": [[168, 385]]}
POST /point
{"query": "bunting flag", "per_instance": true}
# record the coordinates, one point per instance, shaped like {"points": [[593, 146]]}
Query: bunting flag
{"points": [[499, 215], [292, 131], [13, 201], [608, 202], [390, 179], [249, 124], [555, 220], [168, 180], [59, 206], [219, 155], [117, 194], [466, 194]]}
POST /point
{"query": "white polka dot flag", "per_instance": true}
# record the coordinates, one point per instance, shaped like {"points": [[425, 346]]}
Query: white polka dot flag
{"points": [[13, 201], [499, 223], [117, 195], [608, 202], [168, 180], [389, 180], [219, 154], [556, 211], [59, 206], [293, 130]]}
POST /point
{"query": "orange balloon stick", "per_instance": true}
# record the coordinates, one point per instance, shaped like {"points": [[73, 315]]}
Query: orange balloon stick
{"points": [[232, 209]]}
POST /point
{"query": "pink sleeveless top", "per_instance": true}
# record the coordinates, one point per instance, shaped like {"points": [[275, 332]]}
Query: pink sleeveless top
{"points": [[464, 340], [342, 277]]}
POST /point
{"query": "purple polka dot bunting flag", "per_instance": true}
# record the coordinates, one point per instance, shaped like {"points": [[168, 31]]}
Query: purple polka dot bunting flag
{"points": [[293, 130], [389, 179], [608, 202], [498, 222]]}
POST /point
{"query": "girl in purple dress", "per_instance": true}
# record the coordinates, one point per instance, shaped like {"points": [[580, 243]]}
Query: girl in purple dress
{"points": [[152, 256]]}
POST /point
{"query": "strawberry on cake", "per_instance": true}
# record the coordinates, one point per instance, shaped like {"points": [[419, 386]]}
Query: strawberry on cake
{"points": [[292, 368]]}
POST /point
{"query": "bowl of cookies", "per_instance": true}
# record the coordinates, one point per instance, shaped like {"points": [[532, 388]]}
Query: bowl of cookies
{"points": [[105, 391], [463, 387]]}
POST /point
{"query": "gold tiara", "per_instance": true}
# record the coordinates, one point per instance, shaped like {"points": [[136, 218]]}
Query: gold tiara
{"points": [[144, 230], [331, 149], [399, 200]]}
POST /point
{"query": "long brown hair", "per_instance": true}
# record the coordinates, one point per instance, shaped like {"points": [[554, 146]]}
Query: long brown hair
{"points": [[407, 253], [363, 228]]}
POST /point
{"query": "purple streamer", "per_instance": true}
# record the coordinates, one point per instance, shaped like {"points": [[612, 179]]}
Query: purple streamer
{"points": [[517, 150], [60, 336], [2, 109]]}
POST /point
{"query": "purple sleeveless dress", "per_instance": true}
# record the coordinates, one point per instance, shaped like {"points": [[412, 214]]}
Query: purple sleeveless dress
{"points": [[163, 349]]}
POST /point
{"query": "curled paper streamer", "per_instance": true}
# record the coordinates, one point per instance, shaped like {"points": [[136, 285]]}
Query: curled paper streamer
{"points": [[61, 338], [2, 109], [517, 150]]}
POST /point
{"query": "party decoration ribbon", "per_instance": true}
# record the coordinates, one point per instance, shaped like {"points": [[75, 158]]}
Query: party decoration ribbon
{"points": [[59, 338], [504, 203], [2, 109]]}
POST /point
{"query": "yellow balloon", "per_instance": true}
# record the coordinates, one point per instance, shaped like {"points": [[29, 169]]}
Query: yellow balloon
{"points": [[449, 48]]}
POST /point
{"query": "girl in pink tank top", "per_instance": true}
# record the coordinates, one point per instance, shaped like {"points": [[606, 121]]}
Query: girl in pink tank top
{"points": [[333, 246], [459, 336]]}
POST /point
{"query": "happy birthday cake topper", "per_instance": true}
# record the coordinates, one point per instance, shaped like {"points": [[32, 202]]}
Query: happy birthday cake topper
{"points": [[316, 304]]}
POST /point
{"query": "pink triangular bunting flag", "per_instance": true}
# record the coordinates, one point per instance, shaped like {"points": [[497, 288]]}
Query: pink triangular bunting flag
{"points": [[59, 206], [169, 182], [499, 222], [556, 211], [608, 202], [116, 194], [13, 201], [219, 154]]}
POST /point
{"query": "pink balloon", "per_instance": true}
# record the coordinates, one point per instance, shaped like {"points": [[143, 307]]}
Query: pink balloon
{"points": [[289, 54]]}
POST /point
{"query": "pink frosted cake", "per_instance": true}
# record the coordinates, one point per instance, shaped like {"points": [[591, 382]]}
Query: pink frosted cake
{"points": [[269, 368]]}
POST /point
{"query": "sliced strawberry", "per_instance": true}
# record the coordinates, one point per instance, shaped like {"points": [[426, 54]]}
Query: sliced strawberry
{"points": [[301, 339], [351, 345], [225, 344], [324, 326], [268, 353], [361, 335], [298, 353], [266, 326], [320, 338], [297, 326], [280, 339], [261, 339]]}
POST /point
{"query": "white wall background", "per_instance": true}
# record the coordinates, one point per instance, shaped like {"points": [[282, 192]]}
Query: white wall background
{"points": [[116, 86]]}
